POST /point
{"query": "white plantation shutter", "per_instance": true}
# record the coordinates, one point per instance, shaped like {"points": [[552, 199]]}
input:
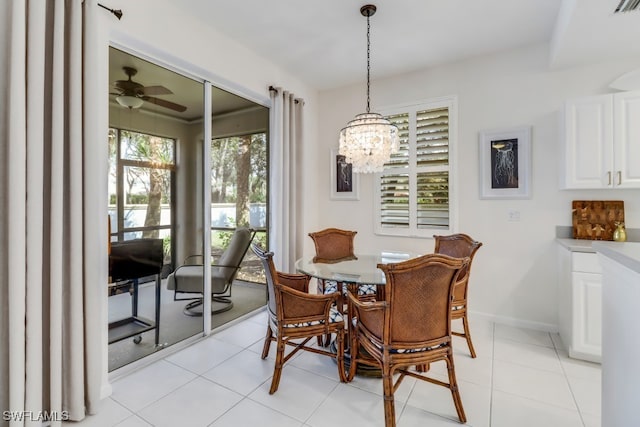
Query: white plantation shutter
{"points": [[433, 200], [432, 161], [395, 200], [432, 137], [395, 184], [414, 189]]}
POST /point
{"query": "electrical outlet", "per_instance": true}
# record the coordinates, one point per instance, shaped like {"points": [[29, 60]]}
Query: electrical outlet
{"points": [[513, 215]]}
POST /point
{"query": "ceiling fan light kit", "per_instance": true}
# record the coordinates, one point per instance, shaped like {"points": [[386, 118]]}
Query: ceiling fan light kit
{"points": [[369, 140], [129, 101]]}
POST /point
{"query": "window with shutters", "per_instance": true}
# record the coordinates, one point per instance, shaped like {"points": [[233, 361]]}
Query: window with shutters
{"points": [[416, 191]]}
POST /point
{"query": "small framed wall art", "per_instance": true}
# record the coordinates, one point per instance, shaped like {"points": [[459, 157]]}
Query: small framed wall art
{"points": [[505, 163], [344, 183]]}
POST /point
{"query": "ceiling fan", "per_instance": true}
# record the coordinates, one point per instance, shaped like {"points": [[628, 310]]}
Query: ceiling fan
{"points": [[132, 94]]}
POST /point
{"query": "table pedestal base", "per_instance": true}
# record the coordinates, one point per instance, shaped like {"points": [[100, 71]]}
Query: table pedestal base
{"points": [[361, 369]]}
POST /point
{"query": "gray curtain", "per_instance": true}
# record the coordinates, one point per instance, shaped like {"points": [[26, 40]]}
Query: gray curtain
{"points": [[285, 144], [53, 227]]}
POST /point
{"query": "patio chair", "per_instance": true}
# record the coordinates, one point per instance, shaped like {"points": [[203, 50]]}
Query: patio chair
{"points": [[188, 278]]}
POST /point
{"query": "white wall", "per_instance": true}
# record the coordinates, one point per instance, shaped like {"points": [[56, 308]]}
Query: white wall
{"points": [[514, 273]]}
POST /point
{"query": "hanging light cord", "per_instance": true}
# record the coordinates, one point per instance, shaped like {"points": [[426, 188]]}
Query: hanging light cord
{"points": [[368, 61]]}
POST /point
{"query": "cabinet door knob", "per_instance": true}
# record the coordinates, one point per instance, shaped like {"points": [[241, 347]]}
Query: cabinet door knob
{"points": [[619, 178], [609, 177]]}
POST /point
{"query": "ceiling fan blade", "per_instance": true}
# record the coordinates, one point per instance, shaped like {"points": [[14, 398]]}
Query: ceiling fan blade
{"points": [[165, 103], [156, 90]]}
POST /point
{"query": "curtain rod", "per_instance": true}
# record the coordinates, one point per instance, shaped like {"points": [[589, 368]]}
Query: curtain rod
{"points": [[297, 100], [117, 13]]}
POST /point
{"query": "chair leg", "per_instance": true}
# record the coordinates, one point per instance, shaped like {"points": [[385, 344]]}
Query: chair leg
{"points": [[453, 385], [353, 354], [324, 340], [423, 368], [467, 335], [389, 405], [277, 372], [340, 356], [267, 342]]}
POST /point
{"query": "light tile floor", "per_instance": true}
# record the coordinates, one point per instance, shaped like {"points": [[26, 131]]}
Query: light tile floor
{"points": [[520, 378]]}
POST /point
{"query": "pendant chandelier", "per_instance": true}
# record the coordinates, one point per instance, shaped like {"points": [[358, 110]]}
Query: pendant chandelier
{"points": [[368, 140]]}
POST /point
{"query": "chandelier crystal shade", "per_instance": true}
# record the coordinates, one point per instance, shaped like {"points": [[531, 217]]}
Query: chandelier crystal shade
{"points": [[369, 140]]}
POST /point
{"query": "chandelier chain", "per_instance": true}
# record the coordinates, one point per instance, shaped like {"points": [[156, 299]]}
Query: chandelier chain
{"points": [[368, 62], [369, 140]]}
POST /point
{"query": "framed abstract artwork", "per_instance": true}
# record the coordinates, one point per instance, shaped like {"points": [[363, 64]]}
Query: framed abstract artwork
{"points": [[344, 183], [505, 163]]}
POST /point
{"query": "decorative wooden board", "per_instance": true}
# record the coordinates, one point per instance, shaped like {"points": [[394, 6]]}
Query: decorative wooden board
{"points": [[595, 219]]}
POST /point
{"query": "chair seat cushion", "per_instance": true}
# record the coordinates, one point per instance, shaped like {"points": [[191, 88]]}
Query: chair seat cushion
{"points": [[354, 321], [331, 286], [334, 317], [417, 350]]}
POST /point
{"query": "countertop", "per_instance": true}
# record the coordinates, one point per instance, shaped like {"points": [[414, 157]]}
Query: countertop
{"points": [[577, 245], [625, 253], [564, 236]]}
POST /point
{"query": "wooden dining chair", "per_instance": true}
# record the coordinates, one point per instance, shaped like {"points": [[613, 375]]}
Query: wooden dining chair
{"points": [[410, 327], [460, 246], [335, 245], [295, 314]]}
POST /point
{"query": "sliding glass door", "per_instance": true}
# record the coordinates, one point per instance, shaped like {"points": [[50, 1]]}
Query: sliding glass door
{"points": [[238, 179], [170, 189]]}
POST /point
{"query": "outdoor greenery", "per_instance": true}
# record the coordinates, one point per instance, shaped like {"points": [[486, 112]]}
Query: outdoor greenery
{"points": [[239, 172], [238, 176]]}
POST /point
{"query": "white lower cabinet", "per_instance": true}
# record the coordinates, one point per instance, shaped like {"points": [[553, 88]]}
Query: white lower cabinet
{"points": [[580, 305]]}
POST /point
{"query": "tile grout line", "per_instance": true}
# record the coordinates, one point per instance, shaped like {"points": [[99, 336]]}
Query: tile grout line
{"points": [[163, 396], [406, 402], [566, 377], [320, 404]]}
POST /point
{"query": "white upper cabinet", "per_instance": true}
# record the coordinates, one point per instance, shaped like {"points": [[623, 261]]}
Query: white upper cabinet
{"points": [[626, 133], [602, 142]]}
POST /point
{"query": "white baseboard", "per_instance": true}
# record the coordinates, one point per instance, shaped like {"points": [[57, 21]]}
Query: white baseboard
{"points": [[519, 323], [105, 391]]}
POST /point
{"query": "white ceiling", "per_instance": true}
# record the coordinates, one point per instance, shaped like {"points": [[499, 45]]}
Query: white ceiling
{"points": [[324, 42]]}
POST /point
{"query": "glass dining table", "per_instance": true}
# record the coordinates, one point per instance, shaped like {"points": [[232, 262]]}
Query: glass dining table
{"points": [[357, 270], [360, 269]]}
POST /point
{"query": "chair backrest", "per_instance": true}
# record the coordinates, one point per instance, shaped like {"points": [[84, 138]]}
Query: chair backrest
{"points": [[233, 255], [270, 274], [418, 296], [276, 302], [333, 244], [458, 246]]}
